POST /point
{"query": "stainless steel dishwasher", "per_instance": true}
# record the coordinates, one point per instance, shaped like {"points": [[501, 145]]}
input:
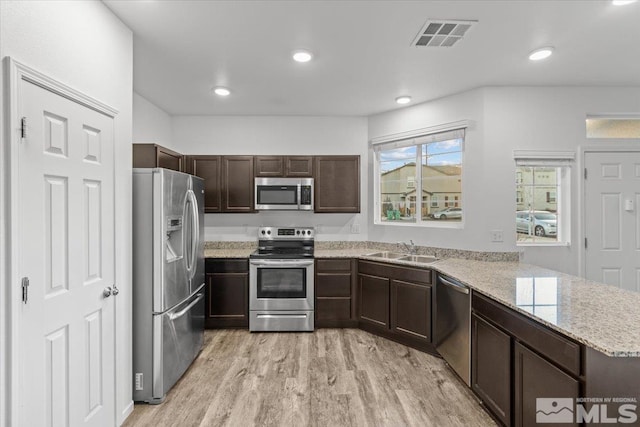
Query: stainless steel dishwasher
{"points": [[453, 325]]}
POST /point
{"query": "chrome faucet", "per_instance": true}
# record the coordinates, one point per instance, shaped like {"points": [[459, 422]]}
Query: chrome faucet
{"points": [[411, 249]]}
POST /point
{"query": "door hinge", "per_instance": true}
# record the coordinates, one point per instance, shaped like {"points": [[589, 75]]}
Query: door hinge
{"points": [[23, 128], [25, 289], [585, 243], [585, 173]]}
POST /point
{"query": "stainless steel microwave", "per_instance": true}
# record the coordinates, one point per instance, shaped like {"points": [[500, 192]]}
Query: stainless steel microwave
{"points": [[288, 194]]}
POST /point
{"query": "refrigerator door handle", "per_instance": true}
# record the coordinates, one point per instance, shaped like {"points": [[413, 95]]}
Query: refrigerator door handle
{"points": [[194, 229], [189, 241], [196, 233], [174, 316]]}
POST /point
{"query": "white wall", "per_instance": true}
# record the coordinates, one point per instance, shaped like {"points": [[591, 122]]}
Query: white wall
{"points": [[506, 119], [151, 123], [549, 118], [83, 45], [286, 135], [466, 106]]}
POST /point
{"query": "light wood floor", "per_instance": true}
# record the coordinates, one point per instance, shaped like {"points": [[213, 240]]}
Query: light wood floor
{"points": [[332, 377]]}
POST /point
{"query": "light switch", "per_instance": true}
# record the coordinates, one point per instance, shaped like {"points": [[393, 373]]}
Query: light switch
{"points": [[628, 205]]}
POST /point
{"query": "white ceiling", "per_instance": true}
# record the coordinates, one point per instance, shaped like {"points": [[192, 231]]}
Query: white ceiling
{"points": [[363, 58]]}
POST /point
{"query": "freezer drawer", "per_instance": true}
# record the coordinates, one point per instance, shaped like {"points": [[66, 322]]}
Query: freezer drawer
{"points": [[176, 340], [182, 337]]}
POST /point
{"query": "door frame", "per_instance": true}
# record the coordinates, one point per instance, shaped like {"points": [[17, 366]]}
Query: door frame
{"points": [[595, 146], [15, 73]]}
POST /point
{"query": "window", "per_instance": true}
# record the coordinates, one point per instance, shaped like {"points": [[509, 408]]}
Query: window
{"points": [[406, 194], [542, 199], [613, 127]]}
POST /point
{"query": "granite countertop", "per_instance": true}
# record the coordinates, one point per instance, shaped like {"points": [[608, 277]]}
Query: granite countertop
{"points": [[599, 316], [228, 253]]}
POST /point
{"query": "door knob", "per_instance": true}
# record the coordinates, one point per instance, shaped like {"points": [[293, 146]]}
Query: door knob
{"points": [[107, 292], [116, 291]]}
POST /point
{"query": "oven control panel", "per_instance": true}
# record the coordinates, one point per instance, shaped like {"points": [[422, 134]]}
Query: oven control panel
{"points": [[286, 233]]}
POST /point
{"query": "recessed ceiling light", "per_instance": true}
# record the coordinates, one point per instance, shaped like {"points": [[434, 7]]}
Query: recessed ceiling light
{"points": [[302, 56], [221, 91], [404, 99], [622, 2], [542, 53]]}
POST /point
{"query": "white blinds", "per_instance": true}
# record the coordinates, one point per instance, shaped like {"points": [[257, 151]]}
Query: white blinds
{"points": [[420, 139], [544, 158]]}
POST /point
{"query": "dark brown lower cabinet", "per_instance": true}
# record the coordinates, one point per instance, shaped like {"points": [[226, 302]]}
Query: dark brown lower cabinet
{"points": [[395, 302], [227, 293], [516, 361], [410, 306], [491, 367], [335, 293], [373, 293], [535, 378]]}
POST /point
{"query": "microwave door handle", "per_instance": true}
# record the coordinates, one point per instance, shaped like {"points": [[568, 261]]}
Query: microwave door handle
{"points": [[299, 190]]}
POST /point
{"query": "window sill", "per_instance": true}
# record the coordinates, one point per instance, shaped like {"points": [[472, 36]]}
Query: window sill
{"points": [[543, 244], [422, 224]]}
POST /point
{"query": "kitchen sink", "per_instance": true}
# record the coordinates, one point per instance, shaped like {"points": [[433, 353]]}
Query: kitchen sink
{"points": [[426, 259], [387, 255]]}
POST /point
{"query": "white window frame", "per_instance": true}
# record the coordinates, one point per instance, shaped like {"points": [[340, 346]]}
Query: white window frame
{"points": [[563, 161], [406, 139]]}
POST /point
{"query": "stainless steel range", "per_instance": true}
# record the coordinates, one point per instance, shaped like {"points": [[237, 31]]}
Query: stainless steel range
{"points": [[281, 280]]}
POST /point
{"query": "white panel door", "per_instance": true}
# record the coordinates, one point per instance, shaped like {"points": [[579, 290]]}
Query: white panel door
{"points": [[612, 222], [66, 332]]}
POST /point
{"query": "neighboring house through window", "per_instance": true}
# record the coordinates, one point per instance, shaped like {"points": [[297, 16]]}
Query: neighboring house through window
{"points": [[407, 194]]}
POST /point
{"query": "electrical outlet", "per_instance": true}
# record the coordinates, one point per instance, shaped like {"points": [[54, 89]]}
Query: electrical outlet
{"points": [[496, 236], [355, 228]]}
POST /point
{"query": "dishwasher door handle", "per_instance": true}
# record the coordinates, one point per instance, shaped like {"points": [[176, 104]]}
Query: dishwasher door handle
{"points": [[455, 286]]}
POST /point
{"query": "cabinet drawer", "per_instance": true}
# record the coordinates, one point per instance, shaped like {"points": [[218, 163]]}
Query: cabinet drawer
{"points": [[226, 265], [407, 274], [333, 309], [329, 265], [333, 285], [557, 348]]}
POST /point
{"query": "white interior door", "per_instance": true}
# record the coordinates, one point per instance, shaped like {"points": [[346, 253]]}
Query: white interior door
{"points": [[66, 227], [612, 222]]}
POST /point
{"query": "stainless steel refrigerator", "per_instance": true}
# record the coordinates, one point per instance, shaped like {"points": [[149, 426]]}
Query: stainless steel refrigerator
{"points": [[168, 279]]}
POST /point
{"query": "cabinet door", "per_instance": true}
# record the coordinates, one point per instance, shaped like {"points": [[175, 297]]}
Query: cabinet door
{"points": [[373, 295], [535, 378], [208, 168], [169, 159], [227, 296], [155, 156], [411, 309], [237, 183], [491, 367], [337, 184], [269, 166], [299, 166]]}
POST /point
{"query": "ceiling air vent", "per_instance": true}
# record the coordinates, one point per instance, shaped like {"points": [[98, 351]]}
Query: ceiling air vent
{"points": [[442, 33]]}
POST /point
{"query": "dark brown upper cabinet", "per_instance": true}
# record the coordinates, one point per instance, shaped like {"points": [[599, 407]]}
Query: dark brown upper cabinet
{"points": [[284, 166], [156, 156], [337, 184], [298, 166], [237, 184], [209, 168], [269, 166]]}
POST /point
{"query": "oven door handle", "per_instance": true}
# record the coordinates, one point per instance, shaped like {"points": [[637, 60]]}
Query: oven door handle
{"points": [[281, 263]]}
